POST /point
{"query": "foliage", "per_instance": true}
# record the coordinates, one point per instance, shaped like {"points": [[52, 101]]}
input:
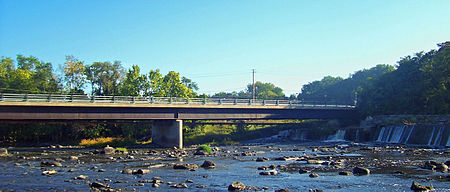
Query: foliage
{"points": [[30, 76], [134, 83], [419, 85], [74, 75], [104, 141], [262, 91], [205, 148], [339, 90], [104, 77]]}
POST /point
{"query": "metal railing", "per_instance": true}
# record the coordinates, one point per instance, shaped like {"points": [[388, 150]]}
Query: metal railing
{"points": [[56, 98]]}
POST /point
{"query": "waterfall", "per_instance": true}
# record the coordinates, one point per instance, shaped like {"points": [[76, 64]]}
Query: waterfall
{"points": [[438, 138], [380, 136], [357, 135], [397, 133], [409, 134], [338, 136], [432, 135]]}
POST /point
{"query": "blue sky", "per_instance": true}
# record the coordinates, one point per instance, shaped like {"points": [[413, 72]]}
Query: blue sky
{"points": [[218, 43]]}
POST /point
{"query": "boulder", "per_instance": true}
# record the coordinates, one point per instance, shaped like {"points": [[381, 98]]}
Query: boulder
{"points": [[108, 150], [80, 177], [361, 171], [180, 185], [313, 175], [49, 172], [185, 166], [303, 171], [418, 187], [140, 171], [127, 171], [271, 172], [346, 173], [99, 185], [3, 152], [73, 158], [261, 159], [436, 166], [282, 190], [208, 164], [236, 186], [50, 164]]}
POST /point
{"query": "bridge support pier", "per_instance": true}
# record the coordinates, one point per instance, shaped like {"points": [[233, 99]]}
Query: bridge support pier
{"points": [[168, 133]]}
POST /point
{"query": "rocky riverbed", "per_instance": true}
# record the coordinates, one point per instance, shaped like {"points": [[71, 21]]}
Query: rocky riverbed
{"points": [[252, 167]]}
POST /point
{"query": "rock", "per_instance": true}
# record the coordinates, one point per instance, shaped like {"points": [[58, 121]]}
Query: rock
{"points": [[180, 185], [208, 164], [418, 187], [99, 185], [361, 171], [155, 185], [201, 152], [101, 170], [436, 166], [313, 175], [185, 166], [189, 181], [156, 178], [303, 171], [315, 161], [272, 166], [73, 158], [50, 164], [261, 159], [262, 168], [201, 186], [72, 170], [108, 150], [127, 171], [80, 177], [282, 190], [271, 172], [140, 171], [49, 172], [3, 152], [346, 173], [236, 186], [315, 190]]}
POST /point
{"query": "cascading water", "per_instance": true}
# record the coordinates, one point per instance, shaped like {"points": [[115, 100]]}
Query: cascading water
{"points": [[338, 136], [427, 134]]}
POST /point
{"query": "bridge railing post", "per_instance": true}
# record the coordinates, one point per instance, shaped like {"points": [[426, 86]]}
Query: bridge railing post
{"points": [[235, 101], [25, 98], [151, 100], [220, 101], [170, 100], [92, 99], [1, 97], [187, 101], [133, 99], [264, 102], [249, 101], [278, 102], [204, 101], [49, 98]]}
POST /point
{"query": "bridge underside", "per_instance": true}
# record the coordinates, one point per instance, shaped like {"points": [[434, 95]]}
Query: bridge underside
{"points": [[167, 121], [161, 113]]}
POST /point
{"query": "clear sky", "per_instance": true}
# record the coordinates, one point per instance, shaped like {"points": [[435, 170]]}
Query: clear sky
{"points": [[217, 43]]}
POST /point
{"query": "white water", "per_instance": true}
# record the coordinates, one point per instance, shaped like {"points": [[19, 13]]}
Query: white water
{"points": [[403, 134], [409, 134], [432, 135], [338, 136]]}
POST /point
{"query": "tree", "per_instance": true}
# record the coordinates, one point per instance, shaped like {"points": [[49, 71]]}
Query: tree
{"points": [[265, 91], [134, 83], [6, 72], [104, 77], [74, 75]]}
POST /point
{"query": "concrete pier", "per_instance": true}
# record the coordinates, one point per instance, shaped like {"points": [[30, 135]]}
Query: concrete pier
{"points": [[168, 133]]}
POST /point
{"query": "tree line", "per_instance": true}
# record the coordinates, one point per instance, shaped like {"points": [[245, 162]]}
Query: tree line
{"points": [[30, 75], [418, 84]]}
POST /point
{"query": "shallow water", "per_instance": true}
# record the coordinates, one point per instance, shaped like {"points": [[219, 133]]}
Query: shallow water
{"points": [[230, 167]]}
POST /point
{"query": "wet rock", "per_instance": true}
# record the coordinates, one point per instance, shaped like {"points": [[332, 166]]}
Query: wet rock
{"points": [[262, 168], [185, 166], [282, 190], [155, 185], [3, 152], [140, 171], [49, 172], [208, 164], [50, 164], [262, 159], [101, 170], [315, 162], [286, 158], [108, 150], [73, 158], [436, 166], [189, 181], [361, 171], [201, 152], [346, 173], [271, 172], [180, 185], [80, 177], [72, 170], [303, 171], [418, 187], [156, 178], [272, 166], [201, 186], [315, 190], [99, 185], [127, 171], [236, 186], [313, 175]]}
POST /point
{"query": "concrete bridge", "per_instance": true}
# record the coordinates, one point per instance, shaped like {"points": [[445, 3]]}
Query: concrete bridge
{"points": [[167, 113]]}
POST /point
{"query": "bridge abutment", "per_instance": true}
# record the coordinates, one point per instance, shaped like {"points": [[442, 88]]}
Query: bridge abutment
{"points": [[168, 133]]}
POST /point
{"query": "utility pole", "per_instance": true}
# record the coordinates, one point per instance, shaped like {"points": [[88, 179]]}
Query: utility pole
{"points": [[254, 88]]}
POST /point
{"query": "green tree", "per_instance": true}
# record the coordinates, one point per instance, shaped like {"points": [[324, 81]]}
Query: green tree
{"points": [[74, 75], [104, 77], [134, 83], [265, 91], [6, 72]]}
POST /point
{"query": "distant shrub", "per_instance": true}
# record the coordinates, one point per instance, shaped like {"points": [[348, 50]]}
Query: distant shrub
{"points": [[103, 141], [205, 148]]}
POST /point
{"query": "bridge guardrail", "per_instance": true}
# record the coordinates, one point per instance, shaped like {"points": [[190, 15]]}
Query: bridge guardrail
{"points": [[58, 98]]}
